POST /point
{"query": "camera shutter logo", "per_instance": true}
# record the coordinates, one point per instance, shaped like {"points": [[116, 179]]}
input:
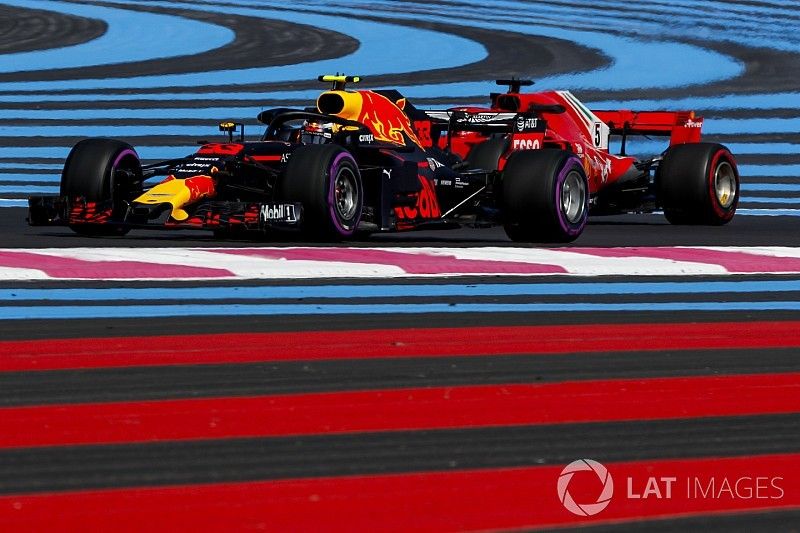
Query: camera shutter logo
{"points": [[585, 509]]}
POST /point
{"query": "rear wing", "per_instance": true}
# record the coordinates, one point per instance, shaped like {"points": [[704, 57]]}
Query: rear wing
{"points": [[487, 123], [680, 126]]}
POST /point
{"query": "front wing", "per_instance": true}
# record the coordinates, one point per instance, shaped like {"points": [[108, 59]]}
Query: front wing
{"points": [[63, 211]]}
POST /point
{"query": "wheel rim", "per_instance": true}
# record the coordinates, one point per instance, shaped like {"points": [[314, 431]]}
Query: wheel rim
{"points": [[725, 184], [573, 197], [126, 160], [346, 194]]}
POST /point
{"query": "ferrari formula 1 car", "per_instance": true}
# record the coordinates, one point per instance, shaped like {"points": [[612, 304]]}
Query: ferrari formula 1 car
{"points": [[369, 161]]}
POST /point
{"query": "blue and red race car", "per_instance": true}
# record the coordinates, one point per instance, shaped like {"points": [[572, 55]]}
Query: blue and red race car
{"points": [[363, 161]]}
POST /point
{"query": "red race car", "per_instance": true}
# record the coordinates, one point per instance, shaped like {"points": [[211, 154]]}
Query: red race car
{"points": [[555, 167]]}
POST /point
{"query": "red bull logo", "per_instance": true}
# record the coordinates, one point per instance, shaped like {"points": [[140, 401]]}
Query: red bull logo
{"points": [[386, 119], [179, 193], [199, 187]]}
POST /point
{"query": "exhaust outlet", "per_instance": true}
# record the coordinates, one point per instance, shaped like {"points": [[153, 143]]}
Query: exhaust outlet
{"points": [[343, 104]]}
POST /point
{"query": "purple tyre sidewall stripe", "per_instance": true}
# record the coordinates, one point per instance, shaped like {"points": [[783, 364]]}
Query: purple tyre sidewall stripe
{"points": [[332, 173], [127, 152], [122, 155], [566, 226]]}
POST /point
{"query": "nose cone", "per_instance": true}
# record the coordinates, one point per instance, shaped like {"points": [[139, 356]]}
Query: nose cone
{"points": [[179, 193]]}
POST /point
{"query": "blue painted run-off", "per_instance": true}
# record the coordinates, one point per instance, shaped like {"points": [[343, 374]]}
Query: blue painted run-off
{"points": [[396, 291]]}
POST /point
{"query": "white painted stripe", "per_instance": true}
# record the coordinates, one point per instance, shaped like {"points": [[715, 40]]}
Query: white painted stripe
{"points": [[21, 274], [580, 264]]}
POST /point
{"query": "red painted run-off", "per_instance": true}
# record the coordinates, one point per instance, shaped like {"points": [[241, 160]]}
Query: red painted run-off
{"points": [[53, 354], [400, 409], [441, 501]]}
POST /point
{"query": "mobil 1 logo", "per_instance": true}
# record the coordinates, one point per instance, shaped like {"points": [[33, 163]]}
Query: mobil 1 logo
{"points": [[272, 213]]}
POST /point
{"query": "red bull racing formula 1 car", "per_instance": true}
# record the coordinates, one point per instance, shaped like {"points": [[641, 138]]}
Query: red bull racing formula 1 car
{"points": [[369, 161]]}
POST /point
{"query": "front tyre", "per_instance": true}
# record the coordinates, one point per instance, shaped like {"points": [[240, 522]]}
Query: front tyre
{"points": [[326, 180], [698, 184], [544, 196], [105, 172]]}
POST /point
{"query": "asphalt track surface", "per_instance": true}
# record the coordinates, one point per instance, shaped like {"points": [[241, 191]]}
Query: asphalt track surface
{"points": [[415, 421]]}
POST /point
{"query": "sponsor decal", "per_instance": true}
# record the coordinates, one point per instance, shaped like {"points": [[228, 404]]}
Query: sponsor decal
{"points": [[477, 118], [526, 144], [602, 166], [278, 212], [426, 206], [434, 164], [423, 128], [694, 123], [606, 171], [366, 138], [196, 166], [285, 157], [221, 148], [526, 123]]}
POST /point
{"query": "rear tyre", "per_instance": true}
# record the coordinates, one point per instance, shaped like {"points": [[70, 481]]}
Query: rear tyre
{"points": [[326, 180], [698, 184], [486, 155], [544, 196], [106, 172]]}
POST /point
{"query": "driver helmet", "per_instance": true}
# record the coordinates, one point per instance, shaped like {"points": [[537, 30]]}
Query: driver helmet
{"points": [[317, 132]]}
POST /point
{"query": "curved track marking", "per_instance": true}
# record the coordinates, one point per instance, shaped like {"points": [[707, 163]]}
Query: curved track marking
{"points": [[383, 46], [122, 41]]}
